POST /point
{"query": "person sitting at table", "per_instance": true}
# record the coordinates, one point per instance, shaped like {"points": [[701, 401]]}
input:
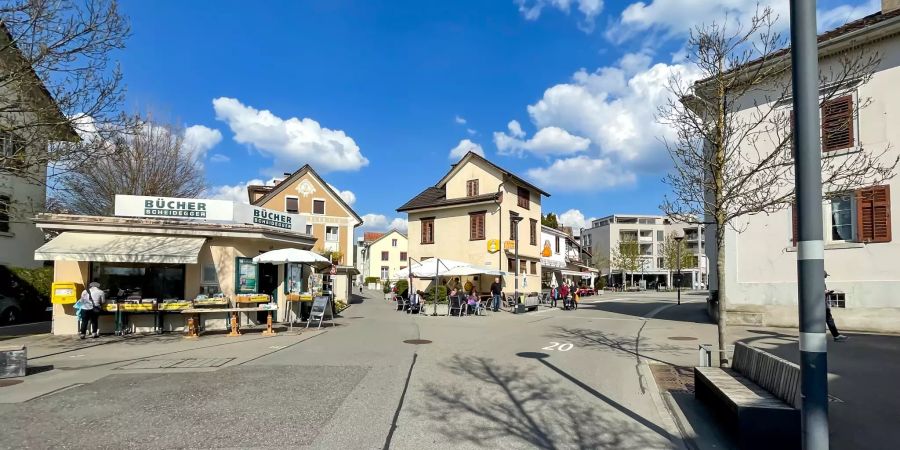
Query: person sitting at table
{"points": [[473, 304]]}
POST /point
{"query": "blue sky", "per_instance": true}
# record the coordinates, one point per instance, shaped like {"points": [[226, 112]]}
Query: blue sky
{"points": [[377, 95]]}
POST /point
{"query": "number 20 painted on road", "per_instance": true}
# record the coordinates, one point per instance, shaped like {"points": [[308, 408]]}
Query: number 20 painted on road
{"points": [[564, 347]]}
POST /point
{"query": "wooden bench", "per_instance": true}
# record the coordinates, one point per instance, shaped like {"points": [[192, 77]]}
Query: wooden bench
{"points": [[759, 398], [13, 361]]}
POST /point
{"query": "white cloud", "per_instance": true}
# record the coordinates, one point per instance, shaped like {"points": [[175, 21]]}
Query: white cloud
{"points": [[200, 139], [235, 193], [677, 17], [515, 129], [471, 131], [219, 158], [380, 222], [574, 218], [348, 196], [547, 141], [465, 146], [460, 120], [589, 9], [581, 173], [290, 142]]}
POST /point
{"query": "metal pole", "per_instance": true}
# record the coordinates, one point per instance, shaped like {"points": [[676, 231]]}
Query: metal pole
{"points": [[437, 269], [810, 251], [678, 250], [516, 297]]}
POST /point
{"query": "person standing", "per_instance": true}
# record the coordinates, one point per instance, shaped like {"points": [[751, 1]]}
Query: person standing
{"points": [[564, 294], [496, 293], [829, 319], [92, 300]]}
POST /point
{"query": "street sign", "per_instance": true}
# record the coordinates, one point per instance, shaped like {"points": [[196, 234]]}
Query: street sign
{"points": [[509, 245]]}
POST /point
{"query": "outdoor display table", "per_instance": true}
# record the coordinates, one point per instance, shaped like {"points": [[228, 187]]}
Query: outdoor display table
{"points": [[232, 313], [123, 310]]}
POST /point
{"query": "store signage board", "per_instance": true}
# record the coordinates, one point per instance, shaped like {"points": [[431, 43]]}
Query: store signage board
{"points": [[207, 209], [321, 307]]}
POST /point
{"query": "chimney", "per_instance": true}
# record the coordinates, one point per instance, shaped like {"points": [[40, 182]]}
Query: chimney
{"points": [[889, 6]]}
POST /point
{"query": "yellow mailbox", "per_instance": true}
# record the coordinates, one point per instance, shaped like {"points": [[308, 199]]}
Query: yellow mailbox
{"points": [[65, 292]]}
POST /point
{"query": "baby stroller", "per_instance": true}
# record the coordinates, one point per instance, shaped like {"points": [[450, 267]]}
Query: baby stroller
{"points": [[570, 303]]}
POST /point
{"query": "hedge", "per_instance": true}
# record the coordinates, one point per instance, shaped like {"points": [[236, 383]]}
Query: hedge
{"points": [[370, 280]]}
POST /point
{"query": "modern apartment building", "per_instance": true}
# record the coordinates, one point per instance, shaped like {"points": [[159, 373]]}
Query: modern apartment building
{"points": [[328, 218], [383, 254], [650, 232], [860, 253], [469, 216]]}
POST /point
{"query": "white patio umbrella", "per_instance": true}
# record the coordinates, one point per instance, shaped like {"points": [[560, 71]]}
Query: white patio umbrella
{"points": [[292, 255], [553, 283], [472, 270]]}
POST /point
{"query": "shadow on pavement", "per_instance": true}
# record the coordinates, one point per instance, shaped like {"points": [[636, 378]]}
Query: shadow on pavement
{"points": [[686, 312], [605, 341], [503, 401]]}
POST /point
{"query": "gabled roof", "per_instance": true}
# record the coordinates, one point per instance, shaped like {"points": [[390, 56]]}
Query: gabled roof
{"points": [[472, 155], [386, 234], [297, 175], [433, 197], [372, 236], [67, 133]]}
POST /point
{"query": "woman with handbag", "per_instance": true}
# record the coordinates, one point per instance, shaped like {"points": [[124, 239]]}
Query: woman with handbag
{"points": [[91, 301]]}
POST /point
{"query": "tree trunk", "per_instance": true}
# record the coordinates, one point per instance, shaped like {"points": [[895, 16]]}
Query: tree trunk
{"points": [[720, 276]]}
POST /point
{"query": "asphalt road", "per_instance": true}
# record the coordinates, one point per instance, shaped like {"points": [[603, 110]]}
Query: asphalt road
{"points": [[546, 379]]}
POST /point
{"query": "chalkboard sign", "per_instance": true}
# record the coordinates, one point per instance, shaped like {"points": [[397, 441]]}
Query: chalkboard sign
{"points": [[321, 307]]}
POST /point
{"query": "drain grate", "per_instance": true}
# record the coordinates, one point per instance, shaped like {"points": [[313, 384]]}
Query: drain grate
{"points": [[189, 363], [682, 338], [673, 378], [5, 383], [417, 341]]}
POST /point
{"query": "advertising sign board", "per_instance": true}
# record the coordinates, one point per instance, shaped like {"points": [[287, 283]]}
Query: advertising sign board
{"points": [[205, 209]]}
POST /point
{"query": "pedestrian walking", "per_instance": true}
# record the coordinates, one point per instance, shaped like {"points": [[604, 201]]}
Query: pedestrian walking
{"points": [[829, 319], [92, 300], [496, 293], [564, 295]]}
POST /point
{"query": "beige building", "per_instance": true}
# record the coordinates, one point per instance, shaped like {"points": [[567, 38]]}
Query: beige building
{"points": [[651, 232], [384, 256], [467, 216], [860, 253], [328, 218], [21, 197]]}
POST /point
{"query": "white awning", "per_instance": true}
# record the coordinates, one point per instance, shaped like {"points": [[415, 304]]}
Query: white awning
{"points": [[134, 248]]}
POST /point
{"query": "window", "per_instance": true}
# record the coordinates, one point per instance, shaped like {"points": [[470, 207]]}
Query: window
{"points": [[523, 265], [309, 229], [511, 265], [524, 198], [403, 256], [385, 256], [384, 272], [331, 234], [208, 275], [10, 145], [836, 299], [159, 281], [471, 188], [660, 264], [842, 223], [532, 237], [873, 206], [659, 235], [476, 226], [393, 242], [4, 213], [428, 231], [319, 207], [533, 267], [557, 245], [837, 124], [291, 205], [513, 229]]}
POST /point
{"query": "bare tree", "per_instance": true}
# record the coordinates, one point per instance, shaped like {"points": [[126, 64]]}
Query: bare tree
{"points": [[627, 258], [671, 249], [57, 81], [150, 160], [733, 131]]}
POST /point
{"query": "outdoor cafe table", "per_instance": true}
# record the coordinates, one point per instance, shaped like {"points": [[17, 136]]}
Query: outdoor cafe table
{"points": [[232, 313]]}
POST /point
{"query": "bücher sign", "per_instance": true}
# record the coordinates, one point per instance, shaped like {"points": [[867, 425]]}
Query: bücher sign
{"points": [[207, 209]]}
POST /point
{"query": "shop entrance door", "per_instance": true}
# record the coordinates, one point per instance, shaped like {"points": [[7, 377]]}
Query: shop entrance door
{"points": [[268, 284]]}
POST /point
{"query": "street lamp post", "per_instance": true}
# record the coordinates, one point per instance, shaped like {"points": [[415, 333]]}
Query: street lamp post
{"points": [[515, 224], [678, 236]]}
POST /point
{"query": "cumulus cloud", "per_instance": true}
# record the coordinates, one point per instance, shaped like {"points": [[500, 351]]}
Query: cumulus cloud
{"points": [[219, 158], [581, 173], [547, 141], [380, 222], [465, 146], [471, 131], [290, 142], [574, 218], [235, 193], [200, 139], [348, 196], [460, 120], [589, 9]]}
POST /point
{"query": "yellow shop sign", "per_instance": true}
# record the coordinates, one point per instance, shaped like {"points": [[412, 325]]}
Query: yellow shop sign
{"points": [[493, 245]]}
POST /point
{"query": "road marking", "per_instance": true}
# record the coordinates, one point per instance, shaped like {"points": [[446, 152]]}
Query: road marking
{"points": [[607, 301], [563, 347]]}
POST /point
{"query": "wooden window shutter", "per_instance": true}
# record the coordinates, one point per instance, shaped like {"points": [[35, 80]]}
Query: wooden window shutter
{"points": [[873, 214], [837, 124], [795, 225]]}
